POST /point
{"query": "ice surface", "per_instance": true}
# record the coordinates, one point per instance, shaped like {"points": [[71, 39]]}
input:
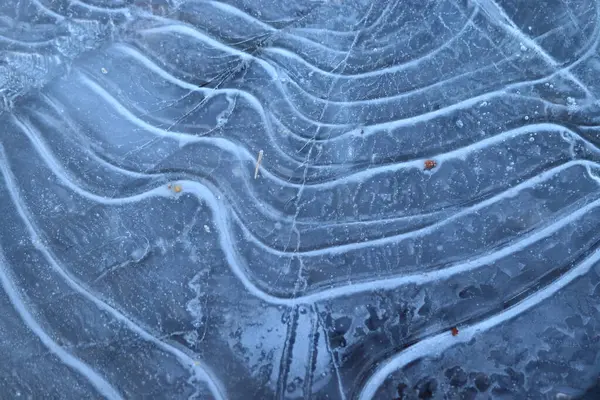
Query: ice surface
{"points": [[147, 253]]}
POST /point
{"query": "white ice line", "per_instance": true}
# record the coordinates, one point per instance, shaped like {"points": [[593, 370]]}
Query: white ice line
{"points": [[122, 10], [435, 345], [271, 71], [387, 99], [25, 43], [510, 192], [191, 32], [65, 176], [370, 129], [285, 31], [95, 379], [239, 13], [74, 138], [182, 138], [48, 11], [379, 72], [255, 103], [250, 98], [196, 366], [354, 177], [459, 153], [202, 192]]}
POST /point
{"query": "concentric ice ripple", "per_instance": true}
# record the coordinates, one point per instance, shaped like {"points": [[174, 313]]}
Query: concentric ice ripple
{"points": [[147, 253]]}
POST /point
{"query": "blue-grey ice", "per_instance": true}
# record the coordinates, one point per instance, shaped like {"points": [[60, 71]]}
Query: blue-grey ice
{"points": [[309, 199]]}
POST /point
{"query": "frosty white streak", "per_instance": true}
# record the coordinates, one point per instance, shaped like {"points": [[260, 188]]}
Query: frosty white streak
{"points": [[250, 20], [244, 154], [123, 10], [222, 221], [97, 381], [47, 10], [392, 239], [200, 371], [141, 59], [254, 21], [371, 129], [436, 344]]}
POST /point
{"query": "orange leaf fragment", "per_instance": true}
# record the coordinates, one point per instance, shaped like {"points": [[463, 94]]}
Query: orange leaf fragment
{"points": [[430, 164]]}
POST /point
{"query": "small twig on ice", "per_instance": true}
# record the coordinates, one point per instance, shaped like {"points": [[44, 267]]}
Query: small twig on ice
{"points": [[258, 161]]}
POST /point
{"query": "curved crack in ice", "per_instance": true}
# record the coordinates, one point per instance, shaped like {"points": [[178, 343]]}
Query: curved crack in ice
{"points": [[31, 44], [250, 98], [43, 150], [244, 58], [398, 95], [272, 31], [338, 249], [228, 210], [75, 137]]}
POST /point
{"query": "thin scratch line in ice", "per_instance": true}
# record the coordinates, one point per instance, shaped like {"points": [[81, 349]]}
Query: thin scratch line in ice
{"points": [[331, 354]]}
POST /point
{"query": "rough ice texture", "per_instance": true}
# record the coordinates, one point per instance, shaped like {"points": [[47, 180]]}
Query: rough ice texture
{"points": [[144, 254]]}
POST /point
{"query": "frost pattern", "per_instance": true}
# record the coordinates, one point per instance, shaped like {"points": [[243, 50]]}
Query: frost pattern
{"points": [[223, 200]]}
